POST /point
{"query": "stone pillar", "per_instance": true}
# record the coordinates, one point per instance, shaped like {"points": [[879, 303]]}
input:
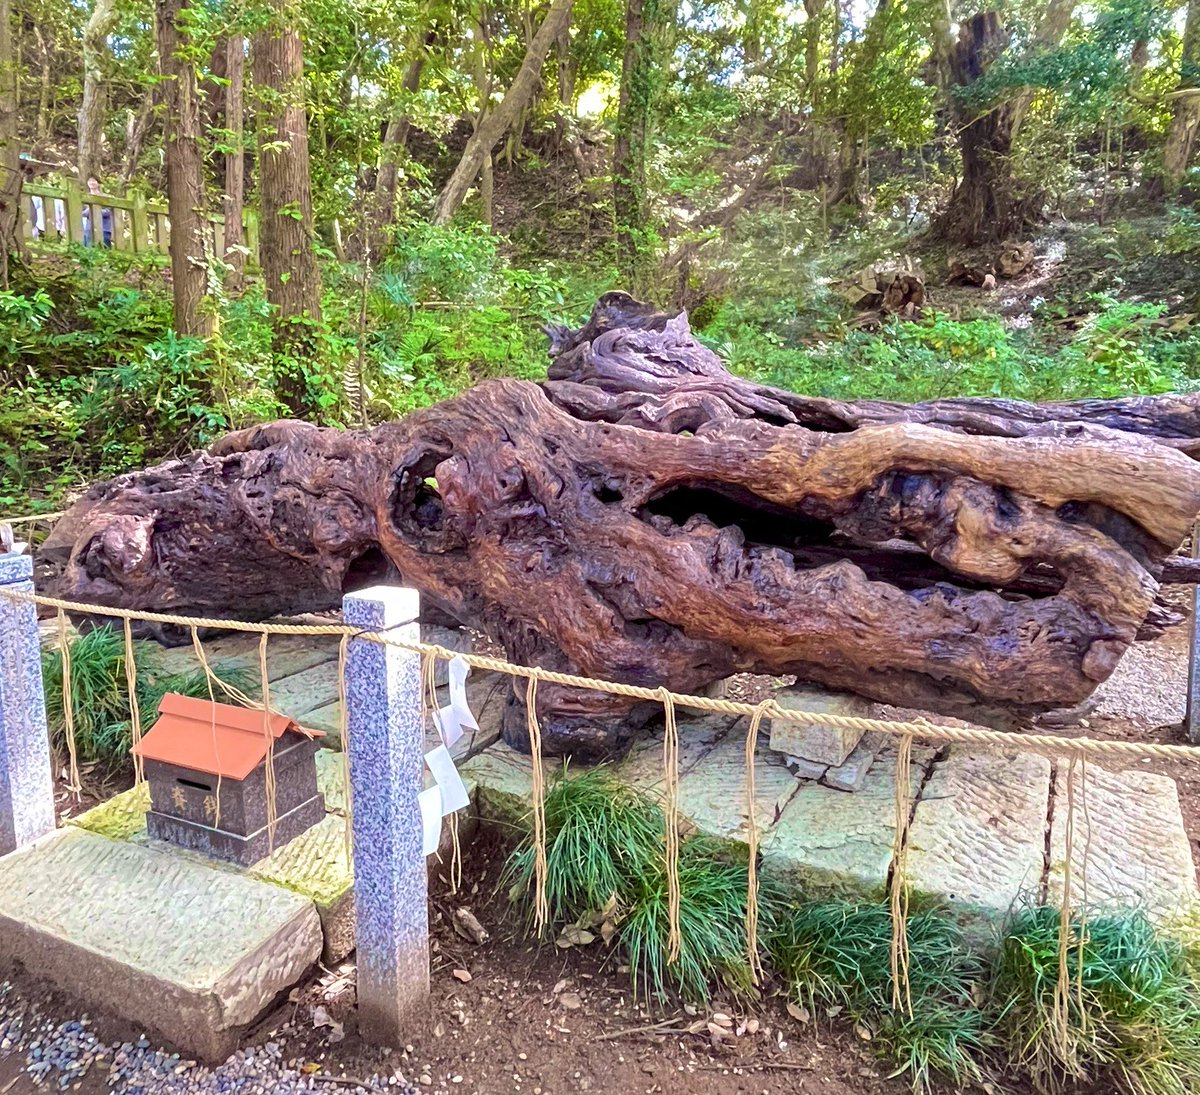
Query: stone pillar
{"points": [[26, 787], [386, 746]]}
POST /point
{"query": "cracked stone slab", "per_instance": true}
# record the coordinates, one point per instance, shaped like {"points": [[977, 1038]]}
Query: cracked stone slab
{"points": [[852, 773], [819, 742], [119, 925], [1132, 834], [829, 842], [713, 794], [643, 768], [978, 836]]}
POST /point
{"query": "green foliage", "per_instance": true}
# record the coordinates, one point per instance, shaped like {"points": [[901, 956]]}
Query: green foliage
{"points": [[100, 704], [605, 863], [1120, 348], [837, 955], [1133, 1007]]}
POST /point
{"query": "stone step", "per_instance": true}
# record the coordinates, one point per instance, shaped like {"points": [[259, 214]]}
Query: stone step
{"points": [[1129, 845], [978, 835], [119, 924], [829, 842]]}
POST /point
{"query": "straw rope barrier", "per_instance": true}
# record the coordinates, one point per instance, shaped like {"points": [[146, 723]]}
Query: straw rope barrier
{"points": [[1077, 750], [1045, 744]]}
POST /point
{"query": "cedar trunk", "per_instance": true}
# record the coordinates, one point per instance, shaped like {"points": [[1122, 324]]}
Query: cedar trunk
{"points": [[646, 517], [10, 147], [185, 173], [1185, 122], [235, 164], [289, 266]]}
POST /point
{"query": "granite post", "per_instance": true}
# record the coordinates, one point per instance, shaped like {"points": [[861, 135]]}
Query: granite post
{"points": [[26, 787], [387, 766]]}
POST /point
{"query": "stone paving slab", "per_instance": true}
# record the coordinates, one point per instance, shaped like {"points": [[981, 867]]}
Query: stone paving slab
{"points": [[286, 654], [486, 696], [712, 795], [1132, 835], [978, 835], [829, 842], [121, 925], [315, 864]]}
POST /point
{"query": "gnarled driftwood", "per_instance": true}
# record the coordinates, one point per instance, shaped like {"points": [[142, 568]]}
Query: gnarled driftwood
{"points": [[647, 517]]}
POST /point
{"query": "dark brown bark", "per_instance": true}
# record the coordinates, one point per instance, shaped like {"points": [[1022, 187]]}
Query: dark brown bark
{"points": [[233, 204], [646, 517], [10, 147], [495, 123], [1185, 121], [190, 247], [293, 280]]}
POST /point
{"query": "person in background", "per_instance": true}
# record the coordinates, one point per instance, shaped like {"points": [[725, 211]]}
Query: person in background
{"points": [[106, 218]]}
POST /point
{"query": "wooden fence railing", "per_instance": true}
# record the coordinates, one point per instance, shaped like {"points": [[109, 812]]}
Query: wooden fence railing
{"points": [[69, 214]]}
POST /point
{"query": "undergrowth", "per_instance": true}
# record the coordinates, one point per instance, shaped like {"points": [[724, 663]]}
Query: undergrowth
{"points": [[604, 858], [1134, 1017], [837, 955], [101, 710]]}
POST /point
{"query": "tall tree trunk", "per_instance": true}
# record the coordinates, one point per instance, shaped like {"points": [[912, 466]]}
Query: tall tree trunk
{"points": [[185, 171], [1185, 122], [495, 123], [391, 149], [45, 85], [235, 164], [990, 203], [10, 147], [93, 102], [643, 76], [289, 266]]}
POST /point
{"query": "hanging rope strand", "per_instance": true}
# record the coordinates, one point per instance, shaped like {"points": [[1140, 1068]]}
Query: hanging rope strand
{"points": [[135, 712], [671, 813], [265, 692], [1062, 985], [756, 971], [344, 724], [898, 893], [68, 705], [541, 908]]}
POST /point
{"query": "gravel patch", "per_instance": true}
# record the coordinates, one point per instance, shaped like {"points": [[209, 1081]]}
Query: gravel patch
{"points": [[59, 1056]]}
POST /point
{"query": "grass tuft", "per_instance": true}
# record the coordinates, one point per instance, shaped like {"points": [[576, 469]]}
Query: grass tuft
{"points": [[1134, 1012], [836, 954], [604, 858]]}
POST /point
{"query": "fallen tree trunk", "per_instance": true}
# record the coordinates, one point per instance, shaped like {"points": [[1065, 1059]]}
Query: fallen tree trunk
{"points": [[646, 517]]}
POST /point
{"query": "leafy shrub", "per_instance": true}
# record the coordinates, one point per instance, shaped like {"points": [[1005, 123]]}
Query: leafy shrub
{"points": [[100, 705], [837, 955], [1133, 1010]]}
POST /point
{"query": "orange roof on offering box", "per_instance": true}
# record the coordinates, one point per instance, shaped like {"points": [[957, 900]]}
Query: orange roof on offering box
{"points": [[216, 738]]}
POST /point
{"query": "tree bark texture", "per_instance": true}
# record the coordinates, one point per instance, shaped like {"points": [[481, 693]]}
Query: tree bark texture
{"points": [[234, 203], [1185, 122], [10, 147], [990, 203], [495, 123], [185, 173], [94, 98], [646, 517], [289, 266]]}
